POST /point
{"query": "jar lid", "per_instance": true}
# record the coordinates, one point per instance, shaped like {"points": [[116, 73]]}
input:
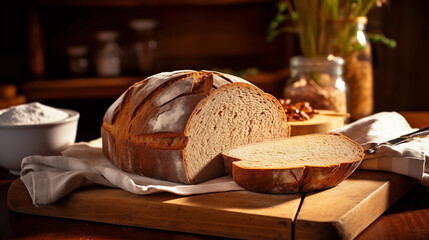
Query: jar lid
{"points": [[107, 35], [362, 20], [341, 20], [78, 50], [143, 24], [316, 61], [310, 64]]}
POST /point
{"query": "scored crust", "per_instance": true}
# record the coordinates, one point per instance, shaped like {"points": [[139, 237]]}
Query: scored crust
{"points": [[300, 172], [153, 128]]}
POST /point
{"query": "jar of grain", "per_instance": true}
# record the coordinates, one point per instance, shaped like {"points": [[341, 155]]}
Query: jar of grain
{"points": [[347, 38], [319, 81]]}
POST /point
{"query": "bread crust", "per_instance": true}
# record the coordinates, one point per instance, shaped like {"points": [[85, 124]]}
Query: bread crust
{"points": [[305, 178]]}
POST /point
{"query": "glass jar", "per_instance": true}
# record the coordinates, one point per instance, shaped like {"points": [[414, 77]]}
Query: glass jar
{"points": [[319, 81], [347, 38], [108, 56], [144, 44], [358, 74], [77, 60]]}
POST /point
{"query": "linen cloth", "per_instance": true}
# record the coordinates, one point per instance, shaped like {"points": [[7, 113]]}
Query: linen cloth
{"points": [[49, 178], [410, 158]]}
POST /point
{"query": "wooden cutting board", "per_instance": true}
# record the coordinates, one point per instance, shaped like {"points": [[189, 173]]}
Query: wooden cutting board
{"points": [[340, 212], [318, 124]]}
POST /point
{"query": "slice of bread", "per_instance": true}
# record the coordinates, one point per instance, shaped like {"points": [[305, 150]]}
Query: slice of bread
{"points": [[296, 164]]}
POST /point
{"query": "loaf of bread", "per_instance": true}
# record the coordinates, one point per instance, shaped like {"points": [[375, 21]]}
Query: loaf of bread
{"points": [[174, 125], [297, 164]]}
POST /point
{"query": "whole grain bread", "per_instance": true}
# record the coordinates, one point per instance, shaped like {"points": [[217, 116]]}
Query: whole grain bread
{"points": [[297, 164], [174, 125]]}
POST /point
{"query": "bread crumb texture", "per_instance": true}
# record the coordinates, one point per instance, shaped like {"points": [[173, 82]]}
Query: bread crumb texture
{"points": [[174, 126], [297, 164], [234, 115]]}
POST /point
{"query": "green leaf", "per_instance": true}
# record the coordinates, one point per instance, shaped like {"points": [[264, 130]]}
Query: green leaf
{"points": [[281, 7], [375, 38], [294, 16]]}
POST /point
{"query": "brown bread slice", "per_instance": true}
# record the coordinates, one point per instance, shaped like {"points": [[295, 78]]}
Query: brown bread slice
{"points": [[296, 164], [174, 126]]}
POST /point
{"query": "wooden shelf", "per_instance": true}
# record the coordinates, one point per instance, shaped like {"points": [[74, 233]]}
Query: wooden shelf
{"points": [[78, 88], [99, 88]]}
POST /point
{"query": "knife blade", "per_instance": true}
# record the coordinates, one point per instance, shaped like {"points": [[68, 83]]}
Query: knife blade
{"points": [[404, 138]]}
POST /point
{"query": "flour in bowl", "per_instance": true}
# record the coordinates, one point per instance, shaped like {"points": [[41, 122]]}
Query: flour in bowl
{"points": [[31, 113]]}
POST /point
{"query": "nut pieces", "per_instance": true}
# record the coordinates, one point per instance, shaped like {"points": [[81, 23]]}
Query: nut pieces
{"points": [[299, 111]]}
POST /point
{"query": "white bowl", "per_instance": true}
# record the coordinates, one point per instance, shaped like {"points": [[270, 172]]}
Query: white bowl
{"points": [[19, 141]]}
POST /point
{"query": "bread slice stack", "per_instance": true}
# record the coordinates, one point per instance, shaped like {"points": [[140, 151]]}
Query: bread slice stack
{"points": [[174, 125], [297, 164]]}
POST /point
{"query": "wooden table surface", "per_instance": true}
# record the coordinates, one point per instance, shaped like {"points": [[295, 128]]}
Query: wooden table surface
{"points": [[408, 218]]}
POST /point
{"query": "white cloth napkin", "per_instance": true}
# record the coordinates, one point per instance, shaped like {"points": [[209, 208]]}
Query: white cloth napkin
{"points": [[49, 178], [411, 158]]}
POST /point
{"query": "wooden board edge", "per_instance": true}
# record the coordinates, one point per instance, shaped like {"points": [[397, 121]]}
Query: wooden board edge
{"points": [[170, 217], [401, 184], [346, 226]]}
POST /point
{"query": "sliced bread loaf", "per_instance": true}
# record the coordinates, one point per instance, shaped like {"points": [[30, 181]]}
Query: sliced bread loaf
{"points": [[296, 164], [174, 125]]}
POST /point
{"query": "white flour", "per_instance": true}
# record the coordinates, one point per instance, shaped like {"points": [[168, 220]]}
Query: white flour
{"points": [[30, 113]]}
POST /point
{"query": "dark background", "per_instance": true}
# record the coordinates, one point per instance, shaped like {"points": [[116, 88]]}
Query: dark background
{"points": [[214, 34]]}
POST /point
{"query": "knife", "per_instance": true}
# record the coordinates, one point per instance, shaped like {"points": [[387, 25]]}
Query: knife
{"points": [[404, 138]]}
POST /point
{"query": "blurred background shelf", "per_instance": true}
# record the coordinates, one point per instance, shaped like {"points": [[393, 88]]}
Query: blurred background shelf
{"points": [[191, 34], [137, 3], [111, 88], [77, 88]]}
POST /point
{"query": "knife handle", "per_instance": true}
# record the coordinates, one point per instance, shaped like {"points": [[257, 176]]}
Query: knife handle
{"points": [[421, 132]]}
